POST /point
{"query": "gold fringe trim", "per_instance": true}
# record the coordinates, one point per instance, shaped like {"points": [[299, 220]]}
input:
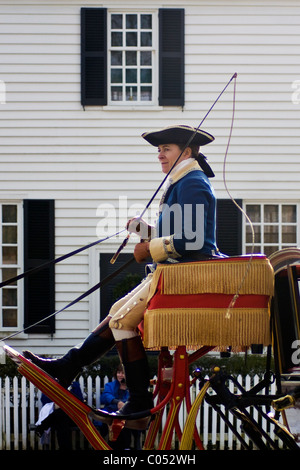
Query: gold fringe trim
{"points": [[196, 327], [218, 276]]}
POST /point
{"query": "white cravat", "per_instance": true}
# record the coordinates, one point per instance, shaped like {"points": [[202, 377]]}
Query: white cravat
{"points": [[178, 167]]}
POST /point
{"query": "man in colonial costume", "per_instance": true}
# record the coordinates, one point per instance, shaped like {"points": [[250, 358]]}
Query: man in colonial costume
{"points": [[185, 232]]}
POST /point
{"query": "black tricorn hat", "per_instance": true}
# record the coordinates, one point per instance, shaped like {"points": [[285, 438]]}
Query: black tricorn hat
{"points": [[178, 135]]}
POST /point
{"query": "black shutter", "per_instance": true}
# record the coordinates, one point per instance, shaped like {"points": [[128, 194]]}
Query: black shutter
{"points": [[229, 227], [171, 57], [108, 291], [39, 297], [93, 56]]}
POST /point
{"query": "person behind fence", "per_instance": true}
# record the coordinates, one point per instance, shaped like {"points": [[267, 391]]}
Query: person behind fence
{"points": [[185, 231], [52, 418], [114, 396]]}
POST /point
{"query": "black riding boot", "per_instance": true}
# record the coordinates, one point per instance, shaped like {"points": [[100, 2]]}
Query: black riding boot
{"points": [[66, 368], [134, 359]]}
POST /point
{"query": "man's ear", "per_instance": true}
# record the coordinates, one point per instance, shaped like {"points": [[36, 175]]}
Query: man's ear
{"points": [[187, 152]]}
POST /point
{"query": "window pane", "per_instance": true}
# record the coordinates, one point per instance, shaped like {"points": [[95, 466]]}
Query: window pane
{"points": [[146, 39], [146, 76], [9, 297], [9, 255], [146, 93], [146, 58], [257, 234], [289, 234], [9, 213], [271, 234], [131, 93], [8, 273], [116, 21], [117, 39], [116, 58], [116, 75], [131, 75], [131, 58], [253, 212], [271, 213], [146, 21], [256, 249], [10, 317], [131, 39], [289, 213], [270, 249], [116, 93], [131, 21], [9, 234]]}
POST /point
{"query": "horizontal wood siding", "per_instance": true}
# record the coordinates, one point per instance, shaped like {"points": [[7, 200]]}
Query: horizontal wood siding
{"points": [[52, 148]]}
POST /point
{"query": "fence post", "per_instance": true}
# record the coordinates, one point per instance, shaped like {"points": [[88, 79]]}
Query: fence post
{"points": [[97, 391], [32, 417], [24, 413], [7, 413], [1, 415], [16, 412], [89, 391]]}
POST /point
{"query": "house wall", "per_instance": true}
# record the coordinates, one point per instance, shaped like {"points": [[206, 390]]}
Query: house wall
{"points": [[52, 148]]}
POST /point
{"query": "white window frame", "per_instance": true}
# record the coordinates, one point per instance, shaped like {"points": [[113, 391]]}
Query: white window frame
{"points": [[248, 246], [153, 48], [19, 267]]}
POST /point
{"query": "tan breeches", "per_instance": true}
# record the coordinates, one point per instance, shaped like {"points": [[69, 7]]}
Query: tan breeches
{"points": [[128, 312]]}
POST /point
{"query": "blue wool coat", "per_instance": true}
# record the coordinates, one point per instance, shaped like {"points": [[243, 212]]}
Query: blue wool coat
{"points": [[188, 213], [112, 394]]}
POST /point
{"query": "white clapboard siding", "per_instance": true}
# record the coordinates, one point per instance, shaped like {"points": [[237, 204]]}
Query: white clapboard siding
{"points": [[84, 159]]}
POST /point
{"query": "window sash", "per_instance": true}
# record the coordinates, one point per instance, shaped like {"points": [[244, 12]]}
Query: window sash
{"points": [[10, 264], [130, 75], [275, 226]]}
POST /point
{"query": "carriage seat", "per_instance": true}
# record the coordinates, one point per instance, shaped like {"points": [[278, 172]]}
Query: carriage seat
{"points": [[217, 302]]}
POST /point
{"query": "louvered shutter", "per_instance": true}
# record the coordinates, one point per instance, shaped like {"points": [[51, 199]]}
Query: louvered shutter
{"points": [[39, 288], [229, 227], [93, 56], [106, 268], [171, 57]]}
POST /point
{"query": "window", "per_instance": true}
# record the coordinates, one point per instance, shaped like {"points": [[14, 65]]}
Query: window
{"points": [[26, 242], [9, 263], [274, 225], [132, 57]]}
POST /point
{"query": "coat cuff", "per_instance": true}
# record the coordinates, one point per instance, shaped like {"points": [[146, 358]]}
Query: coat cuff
{"points": [[162, 249]]}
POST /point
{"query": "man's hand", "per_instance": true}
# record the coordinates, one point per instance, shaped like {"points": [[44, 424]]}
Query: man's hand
{"points": [[140, 227], [141, 251]]}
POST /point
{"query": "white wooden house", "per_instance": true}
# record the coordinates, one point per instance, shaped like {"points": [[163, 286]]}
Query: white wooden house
{"points": [[80, 81]]}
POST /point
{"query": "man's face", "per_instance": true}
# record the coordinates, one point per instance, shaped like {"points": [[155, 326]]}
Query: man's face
{"points": [[167, 155]]}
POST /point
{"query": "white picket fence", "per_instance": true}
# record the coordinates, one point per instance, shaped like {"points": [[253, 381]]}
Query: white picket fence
{"points": [[20, 405]]}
